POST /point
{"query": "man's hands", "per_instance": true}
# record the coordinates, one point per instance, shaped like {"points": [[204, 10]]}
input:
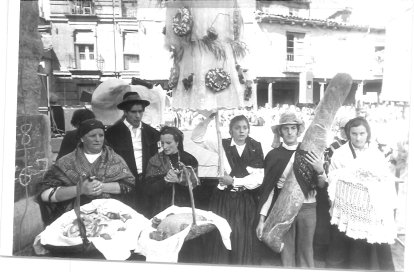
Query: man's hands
{"points": [[315, 161], [259, 228]]}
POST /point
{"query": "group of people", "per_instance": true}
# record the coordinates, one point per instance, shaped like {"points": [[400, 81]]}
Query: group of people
{"points": [[142, 167]]}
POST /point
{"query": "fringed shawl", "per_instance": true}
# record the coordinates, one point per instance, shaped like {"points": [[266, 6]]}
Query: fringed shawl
{"points": [[67, 171]]}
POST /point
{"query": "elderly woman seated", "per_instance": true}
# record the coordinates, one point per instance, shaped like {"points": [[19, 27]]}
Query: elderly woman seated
{"points": [[102, 173]]}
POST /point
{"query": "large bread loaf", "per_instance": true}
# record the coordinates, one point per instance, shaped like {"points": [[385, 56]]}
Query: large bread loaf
{"points": [[291, 198], [174, 224]]}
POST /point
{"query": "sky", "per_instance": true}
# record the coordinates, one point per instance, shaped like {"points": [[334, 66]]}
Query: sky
{"points": [[364, 12]]}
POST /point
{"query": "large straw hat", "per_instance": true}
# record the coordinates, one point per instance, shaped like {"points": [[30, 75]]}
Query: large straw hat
{"points": [[289, 118]]}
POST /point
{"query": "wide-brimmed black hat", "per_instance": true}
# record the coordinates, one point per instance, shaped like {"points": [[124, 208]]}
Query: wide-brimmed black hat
{"points": [[132, 97]]}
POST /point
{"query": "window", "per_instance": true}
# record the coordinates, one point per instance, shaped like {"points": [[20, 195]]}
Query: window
{"points": [[294, 46], [129, 8], [290, 49], [86, 52], [131, 51], [379, 60], [131, 62], [82, 7], [85, 56]]}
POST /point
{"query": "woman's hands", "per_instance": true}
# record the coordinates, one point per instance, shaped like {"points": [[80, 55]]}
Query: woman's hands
{"points": [[172, 176], [226, 180], [92, 187]]}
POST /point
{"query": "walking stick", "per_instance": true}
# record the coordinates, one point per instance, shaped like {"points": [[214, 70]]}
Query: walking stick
{"points": [[220, 169], [190, 190]]}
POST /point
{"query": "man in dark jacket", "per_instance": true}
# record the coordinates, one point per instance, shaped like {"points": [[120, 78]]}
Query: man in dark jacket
{"points": [[136, 142]]}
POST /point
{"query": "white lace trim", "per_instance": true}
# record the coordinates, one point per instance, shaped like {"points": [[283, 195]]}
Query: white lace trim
{"points": [[361, 205]]}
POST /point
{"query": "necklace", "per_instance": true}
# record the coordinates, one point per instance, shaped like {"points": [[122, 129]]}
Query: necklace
{"points": [[176, 169]]}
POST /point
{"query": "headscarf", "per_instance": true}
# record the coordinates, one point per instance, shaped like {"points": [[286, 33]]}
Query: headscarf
{"points": [[89, 125]]}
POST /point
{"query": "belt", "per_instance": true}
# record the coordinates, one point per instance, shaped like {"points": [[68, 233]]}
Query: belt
{"points": [[237, 189]]}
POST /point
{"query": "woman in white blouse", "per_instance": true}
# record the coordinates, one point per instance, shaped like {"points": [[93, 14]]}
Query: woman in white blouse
{"points": [[234, 197], [363, 196]]}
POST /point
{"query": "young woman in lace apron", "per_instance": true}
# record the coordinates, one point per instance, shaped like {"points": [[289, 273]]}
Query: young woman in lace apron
{"points": [[363, 197]]}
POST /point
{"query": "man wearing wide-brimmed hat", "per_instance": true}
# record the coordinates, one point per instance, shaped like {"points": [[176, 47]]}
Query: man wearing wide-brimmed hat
{"points": [[298, 250], [136, 142]]}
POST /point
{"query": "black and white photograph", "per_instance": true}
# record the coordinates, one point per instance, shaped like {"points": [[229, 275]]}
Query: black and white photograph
{"points": [[217, 136]]}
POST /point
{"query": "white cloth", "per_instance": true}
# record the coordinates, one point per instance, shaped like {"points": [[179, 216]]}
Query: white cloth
{"points": [[167, 250], [117, 248], [136, 143], [363, 194]]}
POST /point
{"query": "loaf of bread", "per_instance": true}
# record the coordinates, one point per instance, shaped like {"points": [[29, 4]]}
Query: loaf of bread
{"points": [[174, 224], [291, 198]]}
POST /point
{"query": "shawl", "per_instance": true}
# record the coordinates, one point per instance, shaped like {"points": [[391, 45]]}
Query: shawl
{"points": [[159, 165], [68, 170], [274, 164], [304, 173]]}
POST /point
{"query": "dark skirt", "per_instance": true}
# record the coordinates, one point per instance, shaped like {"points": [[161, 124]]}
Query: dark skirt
{"points": [[347, 253], [323, 224], [239, 209]]}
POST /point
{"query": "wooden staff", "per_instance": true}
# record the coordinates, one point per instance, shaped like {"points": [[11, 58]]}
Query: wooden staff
{"points": [[190, 190], [220, 169]]}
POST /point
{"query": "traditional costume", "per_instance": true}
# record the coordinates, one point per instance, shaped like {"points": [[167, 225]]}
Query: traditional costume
{"points": [[68, 170], [236, 203], [363, 198]]}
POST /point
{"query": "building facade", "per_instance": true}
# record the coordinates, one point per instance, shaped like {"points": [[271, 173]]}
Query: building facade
{"points": [[89, 41], [298, 55], [291, 58]]}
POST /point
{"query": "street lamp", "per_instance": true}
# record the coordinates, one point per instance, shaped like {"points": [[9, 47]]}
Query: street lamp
{"points": [[100, 62]]}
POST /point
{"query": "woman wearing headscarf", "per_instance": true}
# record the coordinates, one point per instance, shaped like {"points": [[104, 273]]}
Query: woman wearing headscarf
{"points": [[164, 172], [363, 196], [234, 198], [165, 185], [71, 139], [102, 172]]}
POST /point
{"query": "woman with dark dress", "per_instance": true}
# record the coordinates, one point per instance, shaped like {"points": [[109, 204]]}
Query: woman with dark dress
{"points": [[165, 186], [234, 198]]}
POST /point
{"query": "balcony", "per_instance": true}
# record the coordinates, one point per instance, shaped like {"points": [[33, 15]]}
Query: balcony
{"points": [[82, 8]]}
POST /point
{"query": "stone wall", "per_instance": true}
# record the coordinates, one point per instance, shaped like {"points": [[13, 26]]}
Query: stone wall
{"points": [[32, 146], [30, 53]]}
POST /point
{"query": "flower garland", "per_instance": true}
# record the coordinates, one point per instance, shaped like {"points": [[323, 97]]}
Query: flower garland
{"points": [[188, 82], [182, 22], [217, 79], [174, 75]]}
